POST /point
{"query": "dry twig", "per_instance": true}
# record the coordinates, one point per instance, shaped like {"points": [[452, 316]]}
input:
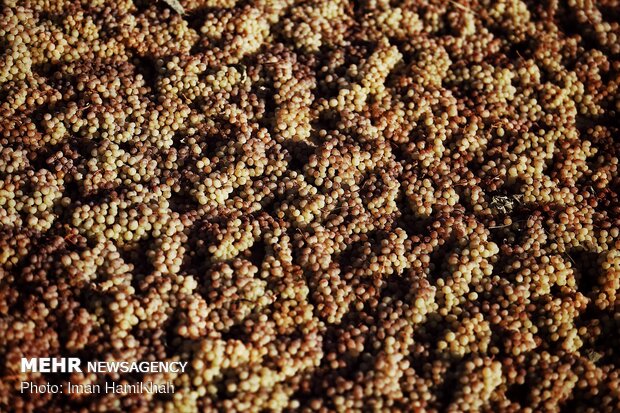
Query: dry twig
{"points": [[176, 6]]}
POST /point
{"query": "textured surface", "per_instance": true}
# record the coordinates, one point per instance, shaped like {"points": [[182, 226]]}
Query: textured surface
{"points": [[321, 205]]}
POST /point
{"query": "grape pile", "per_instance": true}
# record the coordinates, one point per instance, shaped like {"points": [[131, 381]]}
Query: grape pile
{"points": [[322, 205]]}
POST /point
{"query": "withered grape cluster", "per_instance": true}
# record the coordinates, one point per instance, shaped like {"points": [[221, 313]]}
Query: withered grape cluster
{"points": [[322, 205]]}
